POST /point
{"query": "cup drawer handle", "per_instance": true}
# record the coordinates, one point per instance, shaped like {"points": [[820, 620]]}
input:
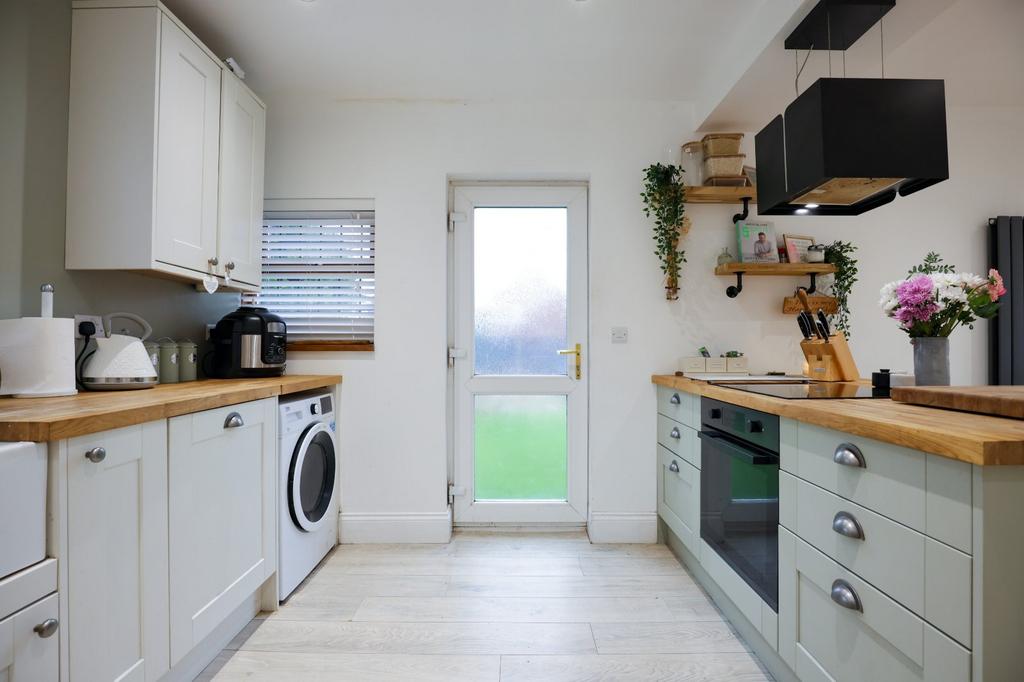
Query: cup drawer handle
{"points": [[674, 467], [844, 595], [845, 524], [674, 399], [849, 455], [674, 433], [233, 421]]}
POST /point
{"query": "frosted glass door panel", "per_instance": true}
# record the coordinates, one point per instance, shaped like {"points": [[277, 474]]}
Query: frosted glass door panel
{"points": [[520, 447], [520, 276]]}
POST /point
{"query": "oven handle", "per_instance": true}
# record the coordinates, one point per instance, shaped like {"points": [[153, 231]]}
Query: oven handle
{"points": [[736, 452]]}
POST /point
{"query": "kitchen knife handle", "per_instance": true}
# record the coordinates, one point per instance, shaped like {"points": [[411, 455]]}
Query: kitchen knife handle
{"points": [[801, 293]]}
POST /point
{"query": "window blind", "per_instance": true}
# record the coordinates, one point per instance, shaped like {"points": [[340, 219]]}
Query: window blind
{"points": [[318, 273]]}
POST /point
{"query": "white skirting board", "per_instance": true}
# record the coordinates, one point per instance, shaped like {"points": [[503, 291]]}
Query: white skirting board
{"points": [[368, 528], [628, 527]]}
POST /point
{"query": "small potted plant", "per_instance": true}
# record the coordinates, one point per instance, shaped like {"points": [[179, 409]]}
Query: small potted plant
{"points": [[931, 302], [665, 200]]}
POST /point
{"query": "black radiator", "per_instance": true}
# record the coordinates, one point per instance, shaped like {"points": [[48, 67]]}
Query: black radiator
{"points": [[1006, 254]]}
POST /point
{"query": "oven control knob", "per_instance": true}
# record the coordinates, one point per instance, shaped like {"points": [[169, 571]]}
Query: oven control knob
{"points": [[755, 426], [314, 408], [715, 413]]}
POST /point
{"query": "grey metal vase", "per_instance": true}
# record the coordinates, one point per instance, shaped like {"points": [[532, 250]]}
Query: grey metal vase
{"points": [[931, 360]]}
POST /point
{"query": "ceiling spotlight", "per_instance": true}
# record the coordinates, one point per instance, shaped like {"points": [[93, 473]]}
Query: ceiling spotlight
{"points": [[802, 211]]}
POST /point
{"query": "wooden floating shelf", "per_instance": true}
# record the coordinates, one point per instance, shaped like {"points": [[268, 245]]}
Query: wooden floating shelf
{"points": [[706, 194], [775, 269], [737, 270]]}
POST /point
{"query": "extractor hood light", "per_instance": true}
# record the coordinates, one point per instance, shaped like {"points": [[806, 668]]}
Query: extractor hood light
{"points": [[802, 211], [810, 206]]}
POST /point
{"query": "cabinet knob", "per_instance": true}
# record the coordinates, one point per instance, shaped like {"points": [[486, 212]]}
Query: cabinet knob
{"points": [[233, 421], [674, 433], [213, 261], [230, 265], [47, 628], [674, 399], [96, 455], [849, 455], [674, 467], [845, 524], [844, 595]]}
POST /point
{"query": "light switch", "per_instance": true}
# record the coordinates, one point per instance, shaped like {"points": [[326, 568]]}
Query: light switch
{"points": [[620, 334]]}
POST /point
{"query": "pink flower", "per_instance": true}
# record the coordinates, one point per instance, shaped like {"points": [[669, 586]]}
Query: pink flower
{"points": [[915, 291], [995, 285]]}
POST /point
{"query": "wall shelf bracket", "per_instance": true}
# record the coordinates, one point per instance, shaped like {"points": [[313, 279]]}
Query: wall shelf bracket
{"points": [[734, 290], [746, 211], [814, 283]]}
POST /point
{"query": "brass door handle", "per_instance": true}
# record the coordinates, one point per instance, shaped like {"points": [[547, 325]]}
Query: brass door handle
{"points": [[578, 352]]}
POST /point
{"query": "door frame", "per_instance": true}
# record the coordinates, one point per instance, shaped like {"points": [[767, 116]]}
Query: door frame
{"points": [[574, 511]]}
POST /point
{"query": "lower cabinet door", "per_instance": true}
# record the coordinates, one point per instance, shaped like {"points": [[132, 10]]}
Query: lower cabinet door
{"points": [[679, 497], [223, 528], [835, 626], [116, 564], [30, 643]]}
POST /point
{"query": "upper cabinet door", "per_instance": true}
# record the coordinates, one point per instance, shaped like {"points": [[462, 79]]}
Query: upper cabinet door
{"points": [[188, 143], [243, 131]]}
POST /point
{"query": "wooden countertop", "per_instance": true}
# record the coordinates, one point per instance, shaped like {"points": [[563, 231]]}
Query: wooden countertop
{"points": [[45, 419], [975, 438]]}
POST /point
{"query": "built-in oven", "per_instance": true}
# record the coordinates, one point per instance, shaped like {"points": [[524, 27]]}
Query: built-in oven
{"points": [[739, 492]]}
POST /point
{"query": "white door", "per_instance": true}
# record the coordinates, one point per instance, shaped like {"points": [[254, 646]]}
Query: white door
{"points": [[519, 302], [242, 133], [222, 515], [188, 144], [117, 554]]}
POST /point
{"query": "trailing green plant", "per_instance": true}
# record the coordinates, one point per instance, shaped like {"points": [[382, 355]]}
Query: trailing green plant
{"points": [[932, 264], [840, 254], [665, 200]]}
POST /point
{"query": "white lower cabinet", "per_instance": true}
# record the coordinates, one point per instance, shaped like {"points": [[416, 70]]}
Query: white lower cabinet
{"points": [[835, 626], [30, 642], [116, 561], [222, 521], [679, 497]]}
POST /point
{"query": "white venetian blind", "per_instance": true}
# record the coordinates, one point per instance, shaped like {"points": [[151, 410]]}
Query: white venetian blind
{"points": [[318, 273]]}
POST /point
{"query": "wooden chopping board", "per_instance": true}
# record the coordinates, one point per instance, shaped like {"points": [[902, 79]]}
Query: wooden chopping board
{"points": [[1003, 401]]}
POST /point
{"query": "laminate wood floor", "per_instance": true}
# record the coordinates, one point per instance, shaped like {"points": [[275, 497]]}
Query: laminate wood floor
{"points": [[493, 606]]}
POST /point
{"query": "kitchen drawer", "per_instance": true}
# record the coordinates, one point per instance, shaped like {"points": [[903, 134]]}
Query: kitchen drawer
{"points": [[680, 439], [880, 640], [892, 557], [27, 655], [928, 493], [679, 405], [679, 498]]}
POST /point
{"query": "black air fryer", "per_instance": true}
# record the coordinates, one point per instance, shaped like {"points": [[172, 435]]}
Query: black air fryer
{"points": [[250, 342]]}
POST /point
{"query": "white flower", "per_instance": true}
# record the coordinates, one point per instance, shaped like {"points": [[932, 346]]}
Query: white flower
{"points": [[888, 301]]}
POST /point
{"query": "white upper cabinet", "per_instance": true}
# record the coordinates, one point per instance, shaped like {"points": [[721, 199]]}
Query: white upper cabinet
{"points": [[187, 151], [165, 150], [242, 135]]}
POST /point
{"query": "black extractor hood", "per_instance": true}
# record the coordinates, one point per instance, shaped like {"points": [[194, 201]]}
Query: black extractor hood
{"points": [[847, 145]]}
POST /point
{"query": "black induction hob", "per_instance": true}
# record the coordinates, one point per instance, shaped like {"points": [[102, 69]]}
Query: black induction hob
{"points": [[811, 391]]}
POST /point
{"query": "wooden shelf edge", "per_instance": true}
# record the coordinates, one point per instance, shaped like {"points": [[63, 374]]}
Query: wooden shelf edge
{"points": [[706, 194], [331, 346], [775, 269]]}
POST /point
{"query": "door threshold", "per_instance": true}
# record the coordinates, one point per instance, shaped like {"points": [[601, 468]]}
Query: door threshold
{"points": [[511, 528]]}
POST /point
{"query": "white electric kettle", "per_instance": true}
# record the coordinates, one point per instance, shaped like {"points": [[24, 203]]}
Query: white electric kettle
{"points": [[120, 361]]}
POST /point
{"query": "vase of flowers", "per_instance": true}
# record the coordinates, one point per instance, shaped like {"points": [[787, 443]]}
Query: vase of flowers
{"points": [[932, 302]]}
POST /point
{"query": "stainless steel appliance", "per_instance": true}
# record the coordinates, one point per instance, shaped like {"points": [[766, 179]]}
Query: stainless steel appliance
{"points": [[739, 492], [249, 342]]}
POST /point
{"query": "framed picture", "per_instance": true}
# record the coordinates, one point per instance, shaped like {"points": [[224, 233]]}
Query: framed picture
{"points": [[756, 242], [796, 247]]}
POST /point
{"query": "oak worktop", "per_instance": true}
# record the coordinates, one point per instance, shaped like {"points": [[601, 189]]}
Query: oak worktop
{"points": [[975, 438], [45, 419]]}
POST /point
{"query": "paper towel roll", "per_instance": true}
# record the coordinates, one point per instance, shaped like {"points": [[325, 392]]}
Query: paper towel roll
{"points": [[37, 357]]}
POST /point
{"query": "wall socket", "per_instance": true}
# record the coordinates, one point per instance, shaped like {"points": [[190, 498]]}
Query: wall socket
{"points": [[95, 319]]}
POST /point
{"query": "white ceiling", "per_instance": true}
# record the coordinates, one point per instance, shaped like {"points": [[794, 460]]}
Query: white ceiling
{"points": [[477, 49]]}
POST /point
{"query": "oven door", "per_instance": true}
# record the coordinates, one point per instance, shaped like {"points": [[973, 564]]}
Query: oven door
{"points": [[739, 509]]}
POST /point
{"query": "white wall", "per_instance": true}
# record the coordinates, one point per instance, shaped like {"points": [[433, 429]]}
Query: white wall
{"points": [[401, 154]]}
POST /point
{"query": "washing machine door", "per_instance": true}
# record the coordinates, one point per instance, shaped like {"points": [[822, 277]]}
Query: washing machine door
{"points": [[311, 477]]}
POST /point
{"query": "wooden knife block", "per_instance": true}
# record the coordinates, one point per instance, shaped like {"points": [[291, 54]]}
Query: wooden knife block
{"points": [[829, 361]]}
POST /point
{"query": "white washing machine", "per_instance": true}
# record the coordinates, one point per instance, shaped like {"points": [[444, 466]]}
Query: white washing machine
{"points": [[308, 467]]}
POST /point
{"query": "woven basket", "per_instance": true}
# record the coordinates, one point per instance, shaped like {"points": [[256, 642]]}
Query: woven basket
{"points": [[723, 166], [722, 144]]}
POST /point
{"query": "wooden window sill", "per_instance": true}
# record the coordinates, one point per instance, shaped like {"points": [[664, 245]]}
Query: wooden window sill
{"points": [[331, 346]]}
